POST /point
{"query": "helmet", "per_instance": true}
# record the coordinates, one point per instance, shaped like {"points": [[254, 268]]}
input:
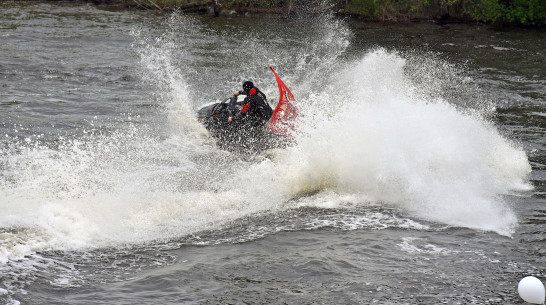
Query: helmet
{"points": [[247, 86]]}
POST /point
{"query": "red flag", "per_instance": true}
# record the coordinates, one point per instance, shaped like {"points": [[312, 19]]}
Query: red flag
{"points": [[285, 114]]}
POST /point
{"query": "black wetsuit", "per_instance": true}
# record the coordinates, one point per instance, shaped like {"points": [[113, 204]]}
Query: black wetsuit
{"points": [[258, 93], [255, 109]]}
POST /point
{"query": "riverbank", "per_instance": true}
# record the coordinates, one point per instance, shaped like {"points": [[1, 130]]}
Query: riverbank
{"points": [[527, 13]]}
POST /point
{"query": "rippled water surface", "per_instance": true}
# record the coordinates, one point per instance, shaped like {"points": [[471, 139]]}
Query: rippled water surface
{"points": [[418, 175]]}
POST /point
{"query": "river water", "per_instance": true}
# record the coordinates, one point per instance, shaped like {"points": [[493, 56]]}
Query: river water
{"points": [[418, 175]]}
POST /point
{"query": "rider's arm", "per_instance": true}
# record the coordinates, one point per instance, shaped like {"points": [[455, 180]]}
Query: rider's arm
{"points": [[241, 92]]}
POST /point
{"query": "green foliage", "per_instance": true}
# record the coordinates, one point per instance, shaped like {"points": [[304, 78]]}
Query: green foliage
{"points": [[487, 11], [527, 12], [363, 7], [407, 9], [511, 12], [252, 3], [501, 12]]}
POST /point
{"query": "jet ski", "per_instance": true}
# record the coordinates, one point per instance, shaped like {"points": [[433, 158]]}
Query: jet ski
{"points": [[237, 135], [242, 135]]}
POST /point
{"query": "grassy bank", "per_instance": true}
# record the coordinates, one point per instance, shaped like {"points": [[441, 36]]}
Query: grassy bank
{"points": [[501, 12], [530, 13]]}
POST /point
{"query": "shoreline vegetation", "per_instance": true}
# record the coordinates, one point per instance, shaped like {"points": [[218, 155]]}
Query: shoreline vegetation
{"points": [[518, 13]]}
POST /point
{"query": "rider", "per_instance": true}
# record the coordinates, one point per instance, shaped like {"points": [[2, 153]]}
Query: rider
{"points": [[255, 106], [247, 86]]}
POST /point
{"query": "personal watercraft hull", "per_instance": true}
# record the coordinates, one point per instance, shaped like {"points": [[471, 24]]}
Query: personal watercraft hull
{"points": [[245, 134], [237, 135]]}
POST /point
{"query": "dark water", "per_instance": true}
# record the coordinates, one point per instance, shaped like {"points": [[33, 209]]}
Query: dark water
{"points": [[418, 177]]}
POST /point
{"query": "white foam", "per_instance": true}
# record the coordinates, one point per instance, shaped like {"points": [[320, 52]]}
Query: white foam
{"points": [[417, 246], [389, 145]]}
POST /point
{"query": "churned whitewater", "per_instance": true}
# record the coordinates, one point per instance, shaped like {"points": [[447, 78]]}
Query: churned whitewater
{"points": [[415, 177]]}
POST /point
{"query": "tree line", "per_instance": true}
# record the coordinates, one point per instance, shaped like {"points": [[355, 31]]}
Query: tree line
{"points": [[530, 13], [499, 12]]}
